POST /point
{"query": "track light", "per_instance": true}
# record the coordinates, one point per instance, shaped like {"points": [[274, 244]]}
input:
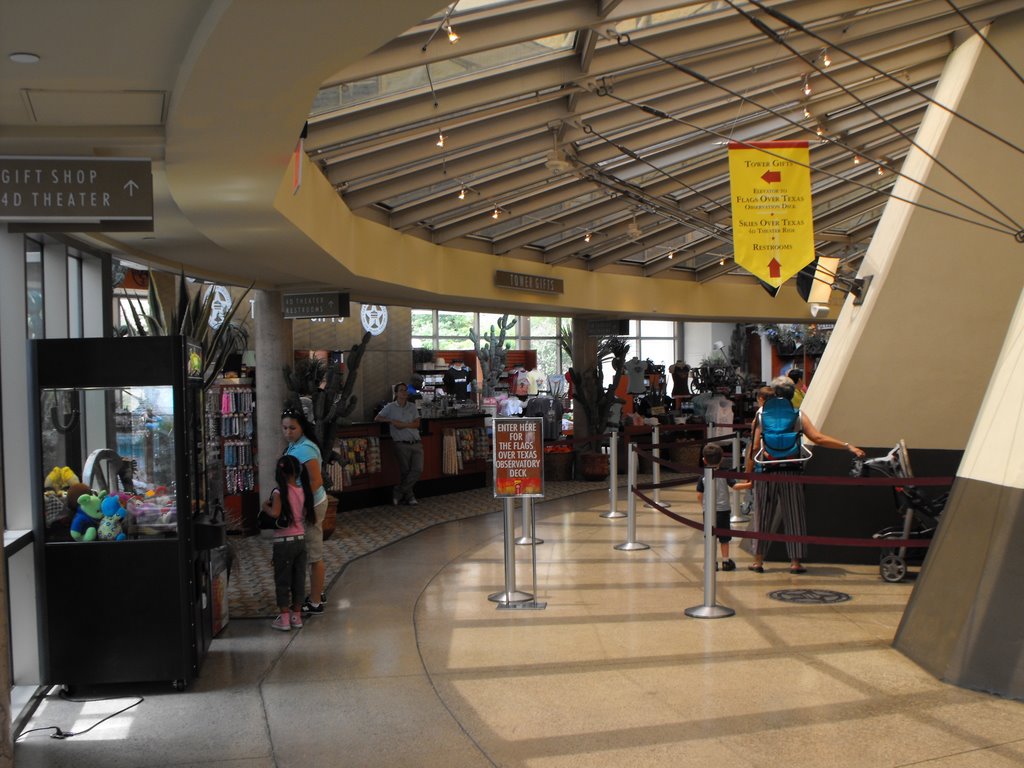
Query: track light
{"points": [[440, 140], [586, 237], [721, 262], [820, 129], [452, 37], [825, 60], [807, 85], [807, 114], [462, 194], [671, 255], [856, 159], [880, 171], [496, 214]]}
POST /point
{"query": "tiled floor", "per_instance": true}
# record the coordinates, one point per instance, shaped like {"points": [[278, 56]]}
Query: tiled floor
{"points": [[412, 666]]}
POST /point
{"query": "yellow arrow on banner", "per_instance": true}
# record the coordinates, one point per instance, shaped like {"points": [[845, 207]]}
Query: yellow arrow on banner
{"points": [[772, 222]]}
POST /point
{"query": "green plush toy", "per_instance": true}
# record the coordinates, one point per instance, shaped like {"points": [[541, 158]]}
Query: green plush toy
{"points": [[87, 516]]}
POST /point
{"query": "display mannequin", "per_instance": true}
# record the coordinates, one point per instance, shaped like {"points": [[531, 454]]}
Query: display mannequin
{"points": [[634, 370], [680, 378], [456, 380]]}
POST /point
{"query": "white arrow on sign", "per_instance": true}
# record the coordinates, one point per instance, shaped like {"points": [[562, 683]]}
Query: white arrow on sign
{"points": [[131, 186]]}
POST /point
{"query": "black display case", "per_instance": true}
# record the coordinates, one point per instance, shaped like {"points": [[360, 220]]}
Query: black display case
{"points": [[125, 598]]}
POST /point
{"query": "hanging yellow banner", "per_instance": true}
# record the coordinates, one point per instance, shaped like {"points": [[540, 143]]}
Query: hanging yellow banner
{"points": [[772, 223]]}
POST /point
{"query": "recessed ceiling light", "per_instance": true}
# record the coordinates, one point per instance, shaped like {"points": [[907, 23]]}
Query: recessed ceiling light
{"points": [[23, 57]]}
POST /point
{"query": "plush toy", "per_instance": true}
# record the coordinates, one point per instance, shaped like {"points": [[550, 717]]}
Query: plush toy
{"points": [[87, 516], [110, 527], [60, 479]]}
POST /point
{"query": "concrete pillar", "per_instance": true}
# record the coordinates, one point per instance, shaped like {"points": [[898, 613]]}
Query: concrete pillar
{"points": [[6, 746], [913, 361], [917, 359], [273, 346]]}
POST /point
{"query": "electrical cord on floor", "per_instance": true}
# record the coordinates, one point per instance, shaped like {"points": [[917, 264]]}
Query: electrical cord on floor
{"points": [[58, 733]]}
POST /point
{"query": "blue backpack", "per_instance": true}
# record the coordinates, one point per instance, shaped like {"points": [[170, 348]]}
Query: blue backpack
{"points": [[781, 434]]}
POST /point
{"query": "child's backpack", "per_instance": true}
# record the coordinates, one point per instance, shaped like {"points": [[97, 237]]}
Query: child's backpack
{"points": [[780, 434]]}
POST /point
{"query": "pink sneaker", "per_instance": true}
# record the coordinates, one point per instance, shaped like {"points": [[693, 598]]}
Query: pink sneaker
{"points": [[282, 622], [296, 619]]}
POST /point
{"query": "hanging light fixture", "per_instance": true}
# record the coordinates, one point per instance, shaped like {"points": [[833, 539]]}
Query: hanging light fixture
{"points": [[856, 159], [452, 37], [462, 194], [721, 262], [807, 85], [880, 171], [496, 214], [440, 140], [671, 255], [586, 237], [807, 114], [825, 60]]}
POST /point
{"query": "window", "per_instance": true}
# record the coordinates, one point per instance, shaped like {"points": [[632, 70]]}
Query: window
{"points": [[34, 317], [438, 329]]}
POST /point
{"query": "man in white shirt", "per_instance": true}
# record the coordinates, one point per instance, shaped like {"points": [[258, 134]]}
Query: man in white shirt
{"points": [[403, 419]]}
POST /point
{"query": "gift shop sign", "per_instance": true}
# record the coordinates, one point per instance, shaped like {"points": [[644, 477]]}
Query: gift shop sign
{"points": [[518, 457], [76, 190], [772, 225]]}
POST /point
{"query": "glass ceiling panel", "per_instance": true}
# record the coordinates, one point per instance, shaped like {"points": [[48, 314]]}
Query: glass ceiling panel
{"points": [[652, 20], [472, 6], [405, 80]]}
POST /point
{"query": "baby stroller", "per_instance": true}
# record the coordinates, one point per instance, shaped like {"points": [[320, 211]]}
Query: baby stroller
{"points": [[919, 512]]}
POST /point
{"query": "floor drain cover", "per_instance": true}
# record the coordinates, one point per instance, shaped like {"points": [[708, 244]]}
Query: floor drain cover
{"points": [[809, 596]]}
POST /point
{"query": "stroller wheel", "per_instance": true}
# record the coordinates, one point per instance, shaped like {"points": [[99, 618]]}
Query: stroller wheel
{"points": [[893, 568]]}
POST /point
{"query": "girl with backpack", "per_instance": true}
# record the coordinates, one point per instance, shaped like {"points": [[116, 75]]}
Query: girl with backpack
{"points": [[291, 504]]}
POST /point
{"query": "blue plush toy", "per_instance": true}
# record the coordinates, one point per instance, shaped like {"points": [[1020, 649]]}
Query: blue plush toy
{"points": [[110, 526], [87, 516]]}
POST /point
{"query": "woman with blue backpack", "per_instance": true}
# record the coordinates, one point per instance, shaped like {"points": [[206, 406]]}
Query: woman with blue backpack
{"points": [[779, 430]]}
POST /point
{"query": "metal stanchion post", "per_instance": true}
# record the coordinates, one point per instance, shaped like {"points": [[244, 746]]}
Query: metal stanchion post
{"points": [[511, 594], [656, 453], [710, 609], [631, 543], [528, 526], [530, 534], [735, 513], [613, 483]]}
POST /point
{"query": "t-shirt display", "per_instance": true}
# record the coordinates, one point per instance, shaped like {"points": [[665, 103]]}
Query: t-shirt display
{"points": [[456, 382]]}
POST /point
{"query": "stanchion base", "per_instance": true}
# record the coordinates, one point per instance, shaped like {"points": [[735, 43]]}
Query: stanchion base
{"points": [[510, 597], [528, 540], [665, 504], [709, 612], [613, 515], [632, 546], [739, 519], [528, 605]]}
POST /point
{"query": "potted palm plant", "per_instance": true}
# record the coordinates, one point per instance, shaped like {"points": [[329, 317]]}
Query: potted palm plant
{"points": [[595, 400]]}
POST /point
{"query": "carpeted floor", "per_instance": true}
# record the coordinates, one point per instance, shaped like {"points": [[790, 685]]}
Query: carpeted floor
{"points": [[361, 531]]}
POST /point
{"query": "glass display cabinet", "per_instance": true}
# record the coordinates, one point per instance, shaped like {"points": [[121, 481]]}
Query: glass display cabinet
{"points": [[126, 569]]}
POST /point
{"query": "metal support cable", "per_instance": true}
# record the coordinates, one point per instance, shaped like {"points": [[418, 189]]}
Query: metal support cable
{"points": [[796, 25], [778, 39], [624, 40], [985, 40]]}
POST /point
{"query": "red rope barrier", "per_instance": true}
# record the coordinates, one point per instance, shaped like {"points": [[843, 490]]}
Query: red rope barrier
{"points": [[826, 540]]}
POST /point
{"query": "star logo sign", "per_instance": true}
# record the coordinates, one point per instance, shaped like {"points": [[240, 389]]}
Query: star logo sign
{"points": [[374, 318]]}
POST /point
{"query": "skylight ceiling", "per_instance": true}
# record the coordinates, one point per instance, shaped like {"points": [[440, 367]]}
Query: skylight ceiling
{"points": [[579, 117]]}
